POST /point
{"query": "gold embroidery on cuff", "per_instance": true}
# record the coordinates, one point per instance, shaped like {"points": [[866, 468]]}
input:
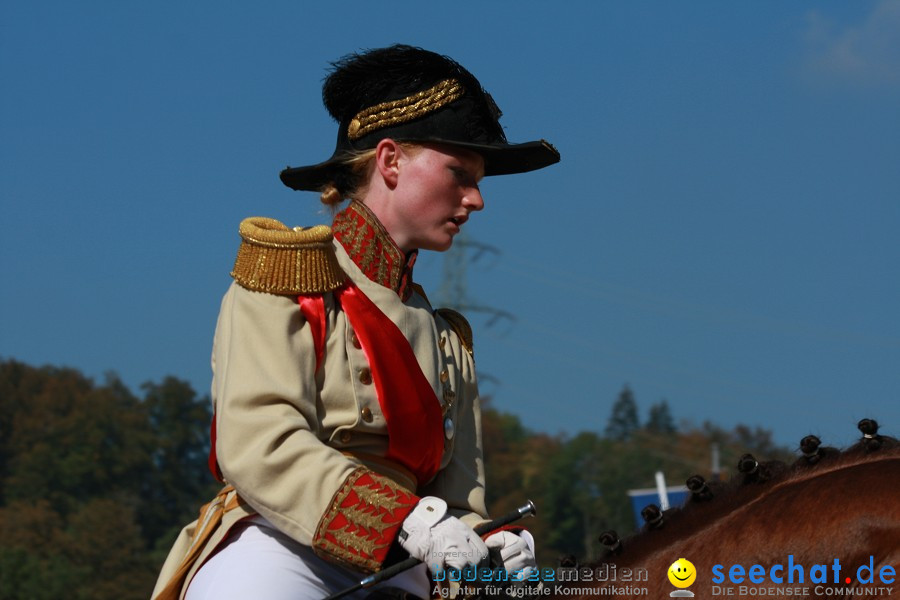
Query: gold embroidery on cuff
{"points": [[364, 518]]}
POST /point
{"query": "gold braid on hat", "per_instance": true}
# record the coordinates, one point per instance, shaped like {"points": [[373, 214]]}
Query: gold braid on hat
{"points": [[404, 109]]}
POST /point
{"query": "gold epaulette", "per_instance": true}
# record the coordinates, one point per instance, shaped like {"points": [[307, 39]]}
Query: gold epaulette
{"points": [[278, 260], [460, 325]]}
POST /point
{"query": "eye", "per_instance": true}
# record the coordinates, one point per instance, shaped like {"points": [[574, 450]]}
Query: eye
{"points": [[464, 177]]}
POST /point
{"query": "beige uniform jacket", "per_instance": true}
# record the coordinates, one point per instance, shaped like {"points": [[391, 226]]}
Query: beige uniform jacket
{"points": [[301, 445]]}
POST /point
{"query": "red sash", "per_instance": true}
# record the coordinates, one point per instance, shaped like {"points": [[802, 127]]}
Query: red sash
{"points": [[407, 400]]}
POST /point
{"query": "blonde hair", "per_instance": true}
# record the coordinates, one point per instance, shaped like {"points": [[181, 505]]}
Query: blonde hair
{"points": [[352, 181]]}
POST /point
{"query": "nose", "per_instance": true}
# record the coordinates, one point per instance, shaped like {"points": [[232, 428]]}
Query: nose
{"points": [[473, 200]]}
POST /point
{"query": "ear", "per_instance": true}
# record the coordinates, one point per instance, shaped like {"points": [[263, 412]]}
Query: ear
{"points": [[387, 161]]}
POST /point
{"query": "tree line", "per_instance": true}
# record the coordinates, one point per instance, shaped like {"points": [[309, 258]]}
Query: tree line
{"points": [[96, 482]]}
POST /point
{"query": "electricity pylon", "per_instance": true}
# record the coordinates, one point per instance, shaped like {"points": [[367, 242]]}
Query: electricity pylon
{"points": [[453, 292]]}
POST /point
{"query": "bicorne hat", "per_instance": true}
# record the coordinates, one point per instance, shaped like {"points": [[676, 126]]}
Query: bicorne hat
{"points": [[412, 95]]}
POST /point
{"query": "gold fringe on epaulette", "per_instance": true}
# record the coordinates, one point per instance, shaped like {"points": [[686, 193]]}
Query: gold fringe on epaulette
{"points": [[278, 260], [460, 325]]}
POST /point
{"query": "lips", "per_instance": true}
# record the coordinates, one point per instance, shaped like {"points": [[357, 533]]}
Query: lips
{"points": [[459, 220]]}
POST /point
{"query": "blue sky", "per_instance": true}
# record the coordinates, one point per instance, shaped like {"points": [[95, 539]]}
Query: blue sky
{"points": [[721, 231]]}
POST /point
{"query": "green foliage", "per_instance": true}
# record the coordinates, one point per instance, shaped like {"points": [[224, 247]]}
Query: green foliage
{"points": [[581, 486], [623, 421], [95, 483], [24, 576], [660, 419], [179, 480], [93, 480]]}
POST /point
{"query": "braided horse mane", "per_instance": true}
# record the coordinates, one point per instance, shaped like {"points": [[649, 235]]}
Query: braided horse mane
{"points": [[828, 505]]}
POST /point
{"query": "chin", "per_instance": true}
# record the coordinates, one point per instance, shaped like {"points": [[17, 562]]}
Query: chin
{"points": [[444, 247], [437, 245]]}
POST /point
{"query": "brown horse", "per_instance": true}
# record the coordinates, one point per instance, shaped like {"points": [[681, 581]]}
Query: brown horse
{"points": [[826, 527]]}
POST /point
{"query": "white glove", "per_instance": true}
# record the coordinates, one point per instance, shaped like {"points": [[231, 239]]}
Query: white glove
{"points": [[515, 553], [439, 540]]}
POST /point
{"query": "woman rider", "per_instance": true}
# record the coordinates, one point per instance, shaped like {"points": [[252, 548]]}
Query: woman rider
{"points": [[347, 423]]}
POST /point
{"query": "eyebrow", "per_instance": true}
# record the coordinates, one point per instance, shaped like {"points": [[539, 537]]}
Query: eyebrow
{"points": [[477, 174]]}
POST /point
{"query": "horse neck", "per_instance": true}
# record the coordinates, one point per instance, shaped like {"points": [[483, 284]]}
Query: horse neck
{"points": [[848, 510]]}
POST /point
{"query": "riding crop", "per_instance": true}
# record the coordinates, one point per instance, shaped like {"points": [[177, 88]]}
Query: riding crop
{"points": [[525, 510]]}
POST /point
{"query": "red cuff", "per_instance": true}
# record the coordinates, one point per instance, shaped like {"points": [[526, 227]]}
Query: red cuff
{"points": [[363, 520]]}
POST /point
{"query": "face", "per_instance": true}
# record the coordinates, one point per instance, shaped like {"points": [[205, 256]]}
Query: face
{"points": [[435, 193]]}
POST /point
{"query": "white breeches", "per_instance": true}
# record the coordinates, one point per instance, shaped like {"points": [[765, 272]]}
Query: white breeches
{"points": [[262, 563]]}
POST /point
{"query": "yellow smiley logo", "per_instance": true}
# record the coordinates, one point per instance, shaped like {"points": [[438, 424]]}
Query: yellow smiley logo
{"points": [[682, 573]]}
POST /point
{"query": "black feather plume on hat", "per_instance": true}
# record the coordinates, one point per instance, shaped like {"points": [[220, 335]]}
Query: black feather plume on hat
{"points": [[362, 80]]}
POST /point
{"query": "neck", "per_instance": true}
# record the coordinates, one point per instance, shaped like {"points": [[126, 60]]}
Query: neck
{"points": [[379, 206]]}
